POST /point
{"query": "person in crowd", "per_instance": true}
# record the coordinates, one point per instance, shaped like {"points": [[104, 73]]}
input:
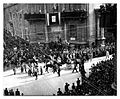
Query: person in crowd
{"points": [[73, 86], [66, 87], [14, 70], [22, 69], [83, 72], [46, 66], [75, 66], [36, 72], [59, 92], [107, 54], [83, 61], [91, 55], [40, 67], [80, 66], [22, 94], [78, 82], [29, 71], [41, 70], [6, 92], [11, 92], [24, 65], [33, 65], [17, 92]]}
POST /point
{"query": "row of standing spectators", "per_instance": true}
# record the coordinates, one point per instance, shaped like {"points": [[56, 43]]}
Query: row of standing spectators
{"points": [[99, 82], [11, 92]]}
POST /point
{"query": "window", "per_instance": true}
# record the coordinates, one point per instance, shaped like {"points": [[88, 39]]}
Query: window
{"points": [[73, 32]]}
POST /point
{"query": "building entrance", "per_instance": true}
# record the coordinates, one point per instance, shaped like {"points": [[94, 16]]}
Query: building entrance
{"points": [[56, 36], [57, 32]]}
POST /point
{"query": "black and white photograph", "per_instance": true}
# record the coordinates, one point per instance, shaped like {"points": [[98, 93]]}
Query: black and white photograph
{"points": [[59, 49]]}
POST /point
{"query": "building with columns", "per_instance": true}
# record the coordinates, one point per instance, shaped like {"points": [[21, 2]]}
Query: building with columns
{"points": [[72, 22]]}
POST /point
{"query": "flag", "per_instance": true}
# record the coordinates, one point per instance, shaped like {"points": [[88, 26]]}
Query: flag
{"points": [[54, 18]]}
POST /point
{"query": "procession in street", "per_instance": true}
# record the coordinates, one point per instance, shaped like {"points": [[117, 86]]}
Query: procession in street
{"points": [[60, 49]]}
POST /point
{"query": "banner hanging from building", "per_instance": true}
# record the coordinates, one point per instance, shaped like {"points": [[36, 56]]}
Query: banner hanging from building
{"points": [[53, 18]]}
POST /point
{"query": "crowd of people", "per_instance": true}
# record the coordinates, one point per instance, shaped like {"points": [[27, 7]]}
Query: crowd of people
{"points": [[98, 83], [11, 92], [26, 51], [25, 56], [29, 57], [29, 61]]}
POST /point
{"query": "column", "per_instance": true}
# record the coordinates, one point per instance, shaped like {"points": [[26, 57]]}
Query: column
{"points": [[46, 32], [91, 24], [98, 27], [22, 27], [65, 31]]}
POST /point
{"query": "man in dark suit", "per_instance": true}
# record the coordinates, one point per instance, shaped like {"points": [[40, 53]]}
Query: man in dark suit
{"points": [[6, 92], [59, 92], [78, 82], [11, 92], [66, 87], [17, 92], [73, 86]]}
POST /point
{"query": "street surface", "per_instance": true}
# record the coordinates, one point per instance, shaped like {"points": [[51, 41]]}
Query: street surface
{"points": [[47, 84]]}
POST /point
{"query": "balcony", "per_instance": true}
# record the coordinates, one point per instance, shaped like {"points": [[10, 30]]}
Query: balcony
{"points": [[34, 17], [74, 15]]}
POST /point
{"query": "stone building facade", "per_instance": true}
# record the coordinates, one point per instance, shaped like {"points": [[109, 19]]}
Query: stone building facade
{"points": [[75, 23]]}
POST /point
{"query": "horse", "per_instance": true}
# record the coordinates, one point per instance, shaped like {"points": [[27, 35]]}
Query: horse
{"points": [[50, 65], [53, 64]]}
